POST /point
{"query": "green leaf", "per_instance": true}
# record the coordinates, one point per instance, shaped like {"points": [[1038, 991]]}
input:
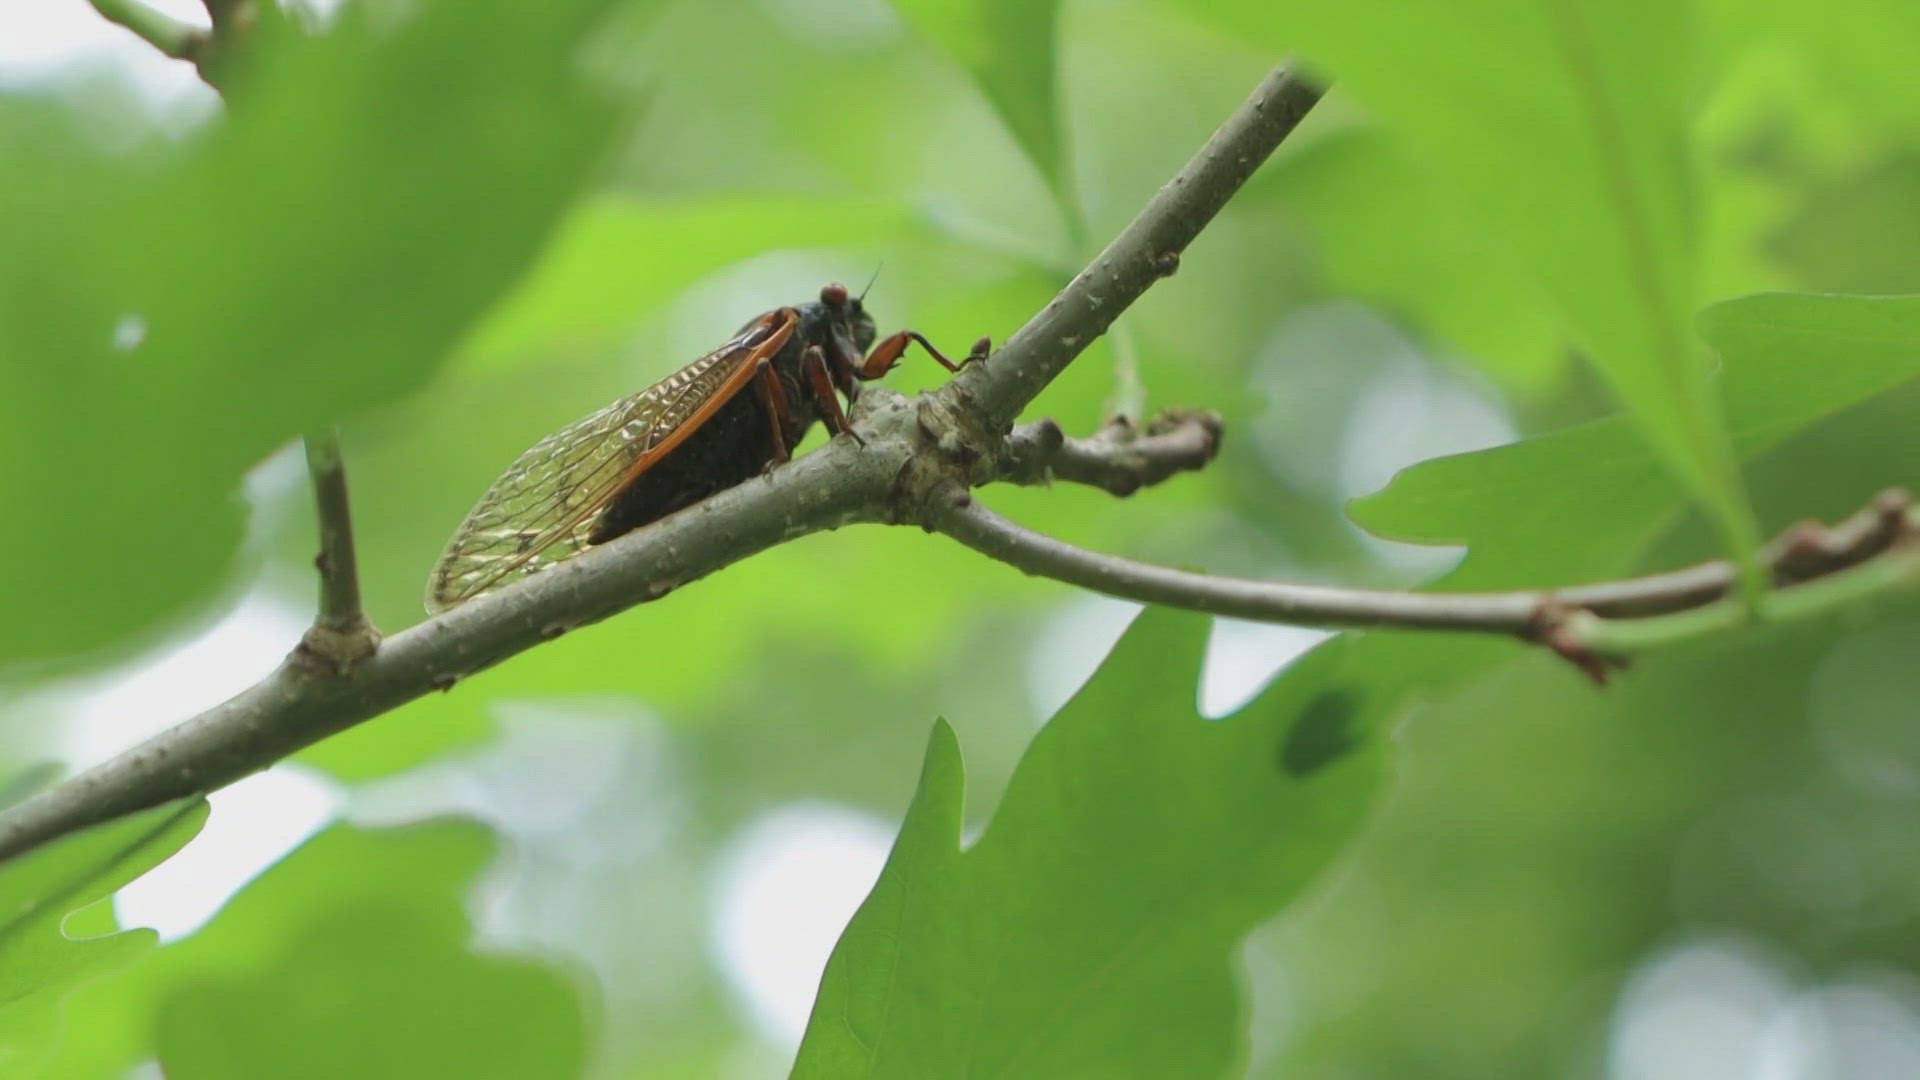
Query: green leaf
{"points": [[416, 876], [1009, 47], [38, 963], [1791, 360], [1091, 929], [1860, 50], [1384, 231], [376, 990], [1564, 125], [169, 317]]}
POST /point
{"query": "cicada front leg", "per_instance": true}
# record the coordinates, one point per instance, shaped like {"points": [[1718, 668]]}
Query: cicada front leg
{"points": [[887, 353]]}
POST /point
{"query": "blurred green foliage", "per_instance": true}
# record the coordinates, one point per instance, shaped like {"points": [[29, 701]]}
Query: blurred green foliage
{"points": [[349, 904], [1563, 126], [1008, 47], [39, 892], [451, 228], [1792, 359], [310, 1010], [316, 253]]}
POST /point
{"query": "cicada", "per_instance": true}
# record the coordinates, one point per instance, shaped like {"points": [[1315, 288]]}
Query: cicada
{"points": [[720, 421]]}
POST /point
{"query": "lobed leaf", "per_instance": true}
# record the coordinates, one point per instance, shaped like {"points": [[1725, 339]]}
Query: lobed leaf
{"points": [[361, 912], [1090, 931], [1563, 125], [39, 964], [1791, 360]]}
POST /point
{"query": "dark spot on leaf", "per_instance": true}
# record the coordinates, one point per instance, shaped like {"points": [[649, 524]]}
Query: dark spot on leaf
{"points": [[1323, 734]]}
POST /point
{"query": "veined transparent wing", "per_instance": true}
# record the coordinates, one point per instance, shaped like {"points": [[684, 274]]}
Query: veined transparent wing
{"points": [[543, 508]]}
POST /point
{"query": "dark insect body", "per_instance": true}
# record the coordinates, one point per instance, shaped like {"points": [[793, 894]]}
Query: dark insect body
{"points": [[720, 421]]}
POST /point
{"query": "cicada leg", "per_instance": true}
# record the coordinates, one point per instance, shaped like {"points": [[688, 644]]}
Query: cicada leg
{"points": [[766, 384], [820, 382], [887, 353]]}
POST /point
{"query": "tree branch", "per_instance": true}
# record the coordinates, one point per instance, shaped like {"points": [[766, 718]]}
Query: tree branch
{"points": [[295, 707], [913, 465], [340, 636], [1819, 569], [909, 449], [179, 40], [1146, 251], [210, 50]]}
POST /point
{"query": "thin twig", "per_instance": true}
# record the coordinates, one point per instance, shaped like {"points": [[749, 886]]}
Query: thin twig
{"points": [[1596, 621], [1146, 251], [1119, 459], [177, 39], [340, 636], [1895, 569], [967, 520]]}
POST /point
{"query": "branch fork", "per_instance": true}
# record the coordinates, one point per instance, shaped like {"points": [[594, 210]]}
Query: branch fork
{"points": [[958, 435], [209, 49]]}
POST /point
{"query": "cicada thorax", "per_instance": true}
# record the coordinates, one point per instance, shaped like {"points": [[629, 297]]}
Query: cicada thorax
{"points": [[733, 446]]}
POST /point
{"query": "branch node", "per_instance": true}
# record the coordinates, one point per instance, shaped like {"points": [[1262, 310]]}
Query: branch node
{"points": [[1809, 549], [341, 636], [331, 652], [172, 37], [1561, 628], [1120, 458], [1893, 509]]}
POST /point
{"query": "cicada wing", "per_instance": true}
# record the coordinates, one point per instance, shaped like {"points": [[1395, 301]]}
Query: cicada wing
{"points": [[543, 508]]}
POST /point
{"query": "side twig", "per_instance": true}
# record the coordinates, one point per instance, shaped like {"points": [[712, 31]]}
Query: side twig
{"points": [[340, 636], [1119, 459], [1875, 551], [177, 39]]}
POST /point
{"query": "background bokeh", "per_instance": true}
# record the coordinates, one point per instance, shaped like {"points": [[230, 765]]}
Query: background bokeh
{"points": [[452, 232]]}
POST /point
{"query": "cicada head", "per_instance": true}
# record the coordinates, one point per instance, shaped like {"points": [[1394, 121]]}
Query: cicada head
{"points": [[860, 325], [849, 317]]}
